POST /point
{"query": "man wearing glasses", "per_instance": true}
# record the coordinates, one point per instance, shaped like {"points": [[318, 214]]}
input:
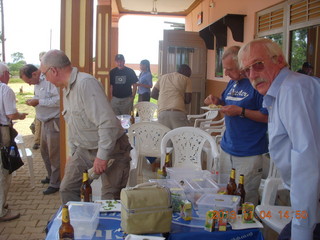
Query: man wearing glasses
{"points": [[47, 104], [95, 135], [293, 103], [8, 112], [244, 140]]}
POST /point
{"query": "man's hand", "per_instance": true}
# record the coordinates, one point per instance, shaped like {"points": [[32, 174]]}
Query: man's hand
{"points": [[99, 165], [32, 102], [231, 110], [212, 100]]}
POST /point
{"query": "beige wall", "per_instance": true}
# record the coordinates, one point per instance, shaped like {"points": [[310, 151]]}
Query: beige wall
{"points": [[210, 15]]}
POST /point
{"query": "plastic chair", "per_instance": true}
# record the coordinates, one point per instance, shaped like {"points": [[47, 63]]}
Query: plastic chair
{"points": [[210, 115], [267, 211], [188, 144], [146, 138], [146, 110], [26, 154]]}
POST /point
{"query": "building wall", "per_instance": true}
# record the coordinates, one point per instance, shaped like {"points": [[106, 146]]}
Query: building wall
{"points": [[218, 10]]}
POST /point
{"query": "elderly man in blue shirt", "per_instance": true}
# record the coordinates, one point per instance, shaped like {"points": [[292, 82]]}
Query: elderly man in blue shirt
{"points": [[293, 104]]}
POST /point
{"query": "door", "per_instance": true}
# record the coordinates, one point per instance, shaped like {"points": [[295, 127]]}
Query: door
{"points": [[180, 47]]}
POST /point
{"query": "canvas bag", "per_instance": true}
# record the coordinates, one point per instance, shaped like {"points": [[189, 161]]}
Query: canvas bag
{"points": [[146, 208]]}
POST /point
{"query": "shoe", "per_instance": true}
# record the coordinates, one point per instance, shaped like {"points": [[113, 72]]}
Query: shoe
{"points": [[50, 190], [9, 216], [36, 146], [45, 181]]}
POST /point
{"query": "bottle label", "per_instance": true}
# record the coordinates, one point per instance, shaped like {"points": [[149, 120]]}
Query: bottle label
{"points": [[241, 180], [65, 215], [85, 177]]}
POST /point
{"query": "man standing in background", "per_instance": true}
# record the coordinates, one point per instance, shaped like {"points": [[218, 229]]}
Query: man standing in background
{"points": [[173, 91], [123, 87], [47, 104], [8, 112]]}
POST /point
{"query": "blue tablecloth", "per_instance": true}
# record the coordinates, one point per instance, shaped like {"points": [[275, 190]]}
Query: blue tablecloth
{"points": [[109, 228]]}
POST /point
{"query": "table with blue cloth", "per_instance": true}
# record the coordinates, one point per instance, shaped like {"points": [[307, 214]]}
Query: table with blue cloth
{"points": [[109, 228]]}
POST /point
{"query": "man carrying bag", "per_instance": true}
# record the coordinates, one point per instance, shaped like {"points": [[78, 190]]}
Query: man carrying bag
{"points": [[8, 112]]}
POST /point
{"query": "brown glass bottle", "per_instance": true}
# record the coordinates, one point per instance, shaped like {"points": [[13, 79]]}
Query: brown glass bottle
{"points": [[241, 192], [85, 190], [232, 186], [66, 231], [132, 120], [167, 163]]}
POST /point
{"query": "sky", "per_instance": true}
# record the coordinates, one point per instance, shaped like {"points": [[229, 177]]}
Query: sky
{"points": [[33, 26]]}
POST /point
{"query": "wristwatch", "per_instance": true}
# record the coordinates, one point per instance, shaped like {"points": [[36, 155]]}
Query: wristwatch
{"points": [[242, 114]]}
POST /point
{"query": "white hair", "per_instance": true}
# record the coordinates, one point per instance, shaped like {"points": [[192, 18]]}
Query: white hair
{"points": [[3, 68]]}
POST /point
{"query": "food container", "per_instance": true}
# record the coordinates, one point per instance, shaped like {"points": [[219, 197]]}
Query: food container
{"points": [[177, 192], [182, 173], [195, 188], [84, 217], [125, 120], [217, 202]]}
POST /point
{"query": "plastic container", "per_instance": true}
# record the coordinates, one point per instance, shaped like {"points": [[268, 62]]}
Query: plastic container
{"points": [[183, 173], [195, 188], [84, 217], [177, 192], [217, 202], [125, 120]]}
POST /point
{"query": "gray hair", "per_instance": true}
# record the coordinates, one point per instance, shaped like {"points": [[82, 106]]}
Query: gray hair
{"points": [[271, 47], [3, 68], [55, 58], [232, 51]]}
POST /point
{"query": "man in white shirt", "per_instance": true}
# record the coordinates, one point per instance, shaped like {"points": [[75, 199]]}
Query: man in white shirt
{"points": [[47, 104], [8, 112]]}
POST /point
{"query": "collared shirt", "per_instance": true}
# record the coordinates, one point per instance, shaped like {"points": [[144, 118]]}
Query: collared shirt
{"points": [[49, 100], [172, 88], [145, 78], [293, 102], [7, 103], [91, 121]]}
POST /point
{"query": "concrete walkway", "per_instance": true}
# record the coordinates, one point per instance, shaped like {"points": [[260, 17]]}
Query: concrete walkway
{"points": [[35, 208]]}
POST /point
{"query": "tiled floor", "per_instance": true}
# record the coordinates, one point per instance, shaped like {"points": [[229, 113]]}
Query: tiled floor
{"points": [[35, 208]]}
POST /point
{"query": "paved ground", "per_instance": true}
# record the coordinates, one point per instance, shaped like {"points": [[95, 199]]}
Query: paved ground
{"points": [[35, 208]]}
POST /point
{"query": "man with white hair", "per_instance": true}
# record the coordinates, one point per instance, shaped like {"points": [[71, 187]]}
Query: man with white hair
{"points": [[8, 112], [292, 100]]}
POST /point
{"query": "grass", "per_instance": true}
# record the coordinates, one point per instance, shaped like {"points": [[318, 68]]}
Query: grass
{"points": [[23, 107]]}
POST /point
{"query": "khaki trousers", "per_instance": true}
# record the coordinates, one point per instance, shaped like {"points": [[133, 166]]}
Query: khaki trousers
{"points": [[50, 150], [113, 179], [250, 167], [37, 131], [5, 181], [173, 119], [122, 106]]}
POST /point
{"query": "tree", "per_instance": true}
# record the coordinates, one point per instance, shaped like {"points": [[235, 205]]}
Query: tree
{"points": [[17, 56]]}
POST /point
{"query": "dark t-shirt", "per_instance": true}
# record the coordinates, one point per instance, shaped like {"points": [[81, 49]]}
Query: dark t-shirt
{"points": [[121, 81]]}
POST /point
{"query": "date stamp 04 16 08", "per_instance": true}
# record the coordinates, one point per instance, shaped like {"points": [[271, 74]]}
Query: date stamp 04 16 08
{"points": [[265, 214]]}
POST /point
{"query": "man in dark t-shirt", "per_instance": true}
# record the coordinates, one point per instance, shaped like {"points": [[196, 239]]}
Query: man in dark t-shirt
{"points": [[123, 87]]}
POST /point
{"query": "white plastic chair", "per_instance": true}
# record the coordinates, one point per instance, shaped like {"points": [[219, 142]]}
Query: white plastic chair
{"points": [[188, 144], [269, 190], [146, 138], [210, 115], [267, 211], [26, 154], [146, 110]]}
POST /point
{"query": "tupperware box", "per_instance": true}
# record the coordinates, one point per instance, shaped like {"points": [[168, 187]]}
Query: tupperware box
{"points": [[177, 192], [84, 217], [195, 188], [179, 173], [217, 202]]}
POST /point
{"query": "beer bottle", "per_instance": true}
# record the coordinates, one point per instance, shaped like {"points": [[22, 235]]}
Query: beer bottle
{"points": [[66, 231], [132, 118], [85, 190], [241, 192], [232, 186]]}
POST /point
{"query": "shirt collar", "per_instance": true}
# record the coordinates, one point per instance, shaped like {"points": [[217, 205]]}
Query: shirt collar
{"points": [[73, 78], [275, 87]]}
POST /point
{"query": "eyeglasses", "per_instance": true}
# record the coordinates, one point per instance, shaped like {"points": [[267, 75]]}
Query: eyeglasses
{"points": [[257, 67], [49, 68]]}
